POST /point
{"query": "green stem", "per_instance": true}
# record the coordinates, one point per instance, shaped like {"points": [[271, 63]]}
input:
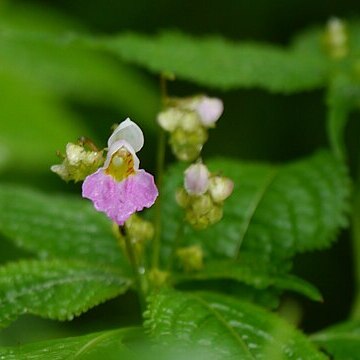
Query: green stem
{"points": [[355, 229], [160, 162], [138, 272]]}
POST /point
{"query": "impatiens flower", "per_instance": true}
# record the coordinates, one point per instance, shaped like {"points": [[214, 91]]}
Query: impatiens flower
{"points": [[120, 188]]}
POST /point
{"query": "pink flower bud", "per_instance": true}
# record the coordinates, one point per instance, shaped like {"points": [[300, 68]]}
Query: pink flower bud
{"points": [[209, 110], [196, 179]]}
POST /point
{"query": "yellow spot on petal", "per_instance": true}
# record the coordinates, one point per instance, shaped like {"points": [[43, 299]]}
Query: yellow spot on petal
{"points": [[121, 165]]}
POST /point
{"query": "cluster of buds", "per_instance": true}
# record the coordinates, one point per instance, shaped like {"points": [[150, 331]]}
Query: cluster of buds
{"points": [[203, 196], [81, 160], [188, 120], [336, 38]]}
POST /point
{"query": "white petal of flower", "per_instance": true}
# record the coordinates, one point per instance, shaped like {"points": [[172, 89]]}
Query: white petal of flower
{"points": [[118, 145], [130, 132]]}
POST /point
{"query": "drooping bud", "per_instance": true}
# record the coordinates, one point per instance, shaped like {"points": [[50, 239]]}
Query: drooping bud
{"points": [[191, 258], [196, 180], [220, 188], [336, 38], [78, 163]]}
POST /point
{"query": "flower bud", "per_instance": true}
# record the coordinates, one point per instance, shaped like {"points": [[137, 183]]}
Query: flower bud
{"points": [[209, 110], [196, 180], [191, 258], [190, 121], [170, 118], [220, 188], [336, 38], [138, 229], [182, 197], [187, 146], [158, 278], [202, 204], [78, 163]]}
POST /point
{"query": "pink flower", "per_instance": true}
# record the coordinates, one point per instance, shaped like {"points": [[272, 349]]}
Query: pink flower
{"points": [[120, 188]]}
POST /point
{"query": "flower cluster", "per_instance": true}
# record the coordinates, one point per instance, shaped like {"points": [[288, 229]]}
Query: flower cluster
{"points": [[203, 196], [78, 162], [187, 120]]}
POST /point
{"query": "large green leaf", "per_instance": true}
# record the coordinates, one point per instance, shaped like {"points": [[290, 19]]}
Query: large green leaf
{"points": [[209, 61], [58, 226], [341, 341], [82, 347], [216, 62], [225, 327], [55, 289], [274, 211], [251, 272]]}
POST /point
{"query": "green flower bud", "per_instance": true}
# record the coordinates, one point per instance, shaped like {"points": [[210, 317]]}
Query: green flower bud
{"points": [[158, 278], [220, 188], [182, 197], [191, 258], [336, 38], [78, 163], [186, 145]]}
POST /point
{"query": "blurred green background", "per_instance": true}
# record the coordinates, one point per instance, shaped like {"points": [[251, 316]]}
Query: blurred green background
{"points": [[51, 94]]}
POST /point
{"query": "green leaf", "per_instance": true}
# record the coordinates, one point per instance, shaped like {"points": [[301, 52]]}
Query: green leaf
{"points": [[55, 289], [58, 226], [249, 271], [220, 63], [81, 347], [208, 61], [273, 212], [341, 341], [225, 327]]}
